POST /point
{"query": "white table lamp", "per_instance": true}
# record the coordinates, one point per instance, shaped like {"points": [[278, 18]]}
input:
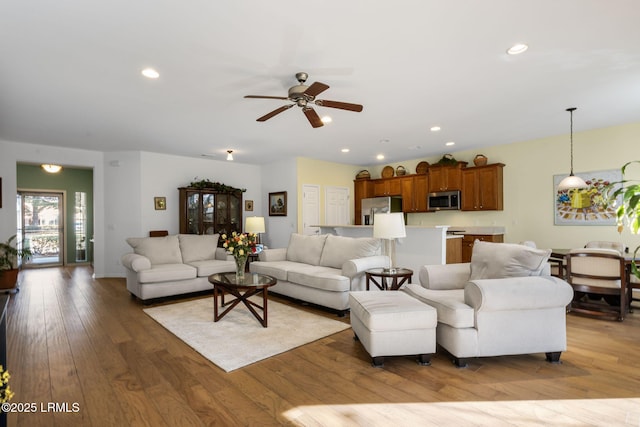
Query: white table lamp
{"points": [[389, 226], [254, 224]]}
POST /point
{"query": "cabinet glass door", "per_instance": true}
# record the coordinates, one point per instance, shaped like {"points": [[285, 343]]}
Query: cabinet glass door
{"points": [[222, 214], [193, 211], [235, 213], [208, 210]]}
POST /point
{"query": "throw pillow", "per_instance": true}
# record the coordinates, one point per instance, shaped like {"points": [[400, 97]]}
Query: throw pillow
{"points": [[338, 250], [159, 250], [195, 247], [499, 260], [305, 249]]}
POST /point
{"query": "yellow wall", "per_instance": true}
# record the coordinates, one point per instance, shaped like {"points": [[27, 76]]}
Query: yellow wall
{"points": [[528, 184], [324, 174]]}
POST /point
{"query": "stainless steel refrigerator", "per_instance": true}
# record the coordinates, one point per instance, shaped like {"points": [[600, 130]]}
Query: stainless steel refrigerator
{"points": [[374, 205]]}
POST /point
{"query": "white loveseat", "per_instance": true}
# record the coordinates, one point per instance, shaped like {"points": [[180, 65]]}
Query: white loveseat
{"points": [[173, 265], [321, 269], [502, 303]]}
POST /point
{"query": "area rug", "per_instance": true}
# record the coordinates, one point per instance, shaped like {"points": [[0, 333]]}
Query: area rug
{"points": [[238, 339]]}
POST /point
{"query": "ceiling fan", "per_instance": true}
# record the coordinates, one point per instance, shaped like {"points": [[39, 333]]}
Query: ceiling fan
{"points": [[302, 96]]}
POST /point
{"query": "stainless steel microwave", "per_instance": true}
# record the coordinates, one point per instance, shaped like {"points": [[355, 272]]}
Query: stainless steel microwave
{"points": [[443, 200]]}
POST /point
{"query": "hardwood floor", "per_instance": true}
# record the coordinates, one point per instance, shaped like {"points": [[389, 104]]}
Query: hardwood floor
{"points": [[87, 343]]}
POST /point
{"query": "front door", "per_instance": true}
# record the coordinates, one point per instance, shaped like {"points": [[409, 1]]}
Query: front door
{"points": [[41, 226]]}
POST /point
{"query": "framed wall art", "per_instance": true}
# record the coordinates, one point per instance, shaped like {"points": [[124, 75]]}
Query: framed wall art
{"points": [[160, 203], [248, 205], [278, 203], [585, 206]]}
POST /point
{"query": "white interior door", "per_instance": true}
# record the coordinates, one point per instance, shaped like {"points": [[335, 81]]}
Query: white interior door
{"points": [[310, 208], [336, 206]]}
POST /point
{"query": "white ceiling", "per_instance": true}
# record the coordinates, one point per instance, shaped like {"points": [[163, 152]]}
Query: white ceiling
{"points": [[70, 74]]}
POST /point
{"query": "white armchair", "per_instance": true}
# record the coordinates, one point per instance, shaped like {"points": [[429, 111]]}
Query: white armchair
{"points": [[521, 310]]}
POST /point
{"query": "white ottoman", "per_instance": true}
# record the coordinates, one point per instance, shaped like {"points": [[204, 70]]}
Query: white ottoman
{"points": [[392, 323]]}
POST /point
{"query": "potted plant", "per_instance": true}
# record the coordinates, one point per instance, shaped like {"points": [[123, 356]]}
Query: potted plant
{"points": [[9, 256], [628, 212]]}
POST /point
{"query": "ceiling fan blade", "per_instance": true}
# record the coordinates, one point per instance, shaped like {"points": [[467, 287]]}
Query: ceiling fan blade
{"points": [[274, 112], [313, 117], [266, 97], [341, 105], [316, 89]]}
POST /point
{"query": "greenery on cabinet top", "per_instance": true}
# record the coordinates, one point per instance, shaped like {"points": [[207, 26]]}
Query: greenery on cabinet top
{"points": [[216, 186]]}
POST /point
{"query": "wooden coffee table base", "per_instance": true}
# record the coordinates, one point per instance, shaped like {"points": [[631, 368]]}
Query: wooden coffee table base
{"points": [[219, 290]]}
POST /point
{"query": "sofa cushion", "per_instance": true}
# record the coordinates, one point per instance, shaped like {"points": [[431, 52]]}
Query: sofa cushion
{"points": [[325, 278], [208, 267], [167, 273], [305, 249], [196, 247], [449, 304], [498, 260], [277, 269], [338, 250], [159, 250]]}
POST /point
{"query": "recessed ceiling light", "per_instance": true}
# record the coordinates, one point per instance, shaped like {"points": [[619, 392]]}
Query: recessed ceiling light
{"points": [[435, 128], [450, 143], [517, 49], [326, 119], [345, 150], [150, 73], [380, 157]]}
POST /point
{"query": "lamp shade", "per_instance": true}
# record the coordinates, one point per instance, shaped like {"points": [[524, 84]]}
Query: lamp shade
{"points": [[571, 182], [254, 224], [389, 226]]}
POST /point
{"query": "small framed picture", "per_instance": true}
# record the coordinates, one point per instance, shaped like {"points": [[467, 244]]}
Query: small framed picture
{"points": [[248, 205], [278, 203], [160, 203]]}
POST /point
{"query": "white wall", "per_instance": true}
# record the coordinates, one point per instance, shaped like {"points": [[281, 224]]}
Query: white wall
{"points": [[12, 153], [280, 176]]}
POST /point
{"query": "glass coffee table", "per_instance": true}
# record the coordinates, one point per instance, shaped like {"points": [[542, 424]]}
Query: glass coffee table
{"points": [[242, 289]]}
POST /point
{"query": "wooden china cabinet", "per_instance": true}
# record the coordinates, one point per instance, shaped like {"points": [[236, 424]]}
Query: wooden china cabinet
{"points": [[208, 211]]}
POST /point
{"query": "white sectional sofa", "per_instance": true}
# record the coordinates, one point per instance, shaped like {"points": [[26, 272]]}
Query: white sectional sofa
{"points": [[321, 269], [173, 265]]}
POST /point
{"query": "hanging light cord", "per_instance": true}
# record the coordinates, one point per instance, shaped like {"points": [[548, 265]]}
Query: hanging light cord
{"points": [[571, 110]]}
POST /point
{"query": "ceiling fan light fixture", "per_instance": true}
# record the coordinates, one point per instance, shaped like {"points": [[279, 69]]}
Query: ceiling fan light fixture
{"points": [[435, 128], [380, 157], [150, 73], [572, 181], [517, 49], [50, 168], [326, 119], [229, 155]]}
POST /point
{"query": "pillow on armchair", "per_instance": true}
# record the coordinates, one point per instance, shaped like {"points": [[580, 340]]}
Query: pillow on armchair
{"points": [[499, 260]]}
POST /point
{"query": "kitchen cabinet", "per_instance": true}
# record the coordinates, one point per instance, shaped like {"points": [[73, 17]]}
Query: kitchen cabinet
{"points": [[454, 250], [414, 193], [207, 211], [482, 188], [469, 239], [362, 189], [387, 187], [445, 177]]}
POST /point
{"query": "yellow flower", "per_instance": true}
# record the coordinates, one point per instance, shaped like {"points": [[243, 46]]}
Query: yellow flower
{"points": [[241, 252]]}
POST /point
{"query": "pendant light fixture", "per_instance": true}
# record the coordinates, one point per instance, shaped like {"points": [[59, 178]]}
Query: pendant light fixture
{"points": [[51, 168], [229, 154], [572, 181]]}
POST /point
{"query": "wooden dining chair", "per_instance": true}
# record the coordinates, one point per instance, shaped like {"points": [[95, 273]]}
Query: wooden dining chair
{"points": [[596, 271]]}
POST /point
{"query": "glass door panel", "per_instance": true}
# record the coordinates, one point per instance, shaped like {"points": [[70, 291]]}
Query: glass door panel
{"points": [[42, 227], [193, 210], [208, 210]]}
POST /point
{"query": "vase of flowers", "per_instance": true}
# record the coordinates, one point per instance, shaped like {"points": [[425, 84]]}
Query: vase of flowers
{"points": [[240, 245]]}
